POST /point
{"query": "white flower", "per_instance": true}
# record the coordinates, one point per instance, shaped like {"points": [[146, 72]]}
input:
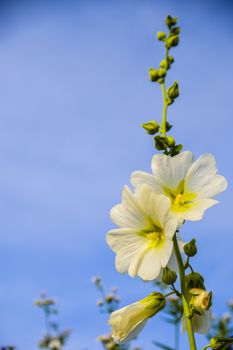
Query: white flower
{"points": [[130, 320], [55, 344], [143, 243], [189, 184]]}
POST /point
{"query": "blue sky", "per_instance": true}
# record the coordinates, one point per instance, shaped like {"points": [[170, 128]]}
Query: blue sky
{"points": [[74, 90]]}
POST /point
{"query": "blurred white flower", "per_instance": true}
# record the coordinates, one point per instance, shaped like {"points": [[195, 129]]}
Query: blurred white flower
{"points": [[55, 344], [128, 322], [189, 184], [143, 243]]}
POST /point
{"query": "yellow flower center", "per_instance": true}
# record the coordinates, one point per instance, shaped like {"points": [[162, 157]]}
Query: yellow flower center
{"points": [[181, 200], [156, 238]]}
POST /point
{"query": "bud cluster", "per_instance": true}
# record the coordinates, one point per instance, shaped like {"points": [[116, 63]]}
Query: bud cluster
{"points": [[165, 143]]}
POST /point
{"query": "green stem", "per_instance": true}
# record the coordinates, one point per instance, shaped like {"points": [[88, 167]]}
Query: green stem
{"points": [[165, 105], [184, 292]]}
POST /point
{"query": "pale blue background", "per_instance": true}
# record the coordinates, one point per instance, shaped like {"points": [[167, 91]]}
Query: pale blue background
{"points": [[73, 92]]}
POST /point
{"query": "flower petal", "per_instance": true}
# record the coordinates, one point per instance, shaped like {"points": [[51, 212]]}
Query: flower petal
{"points": [[202, 179], [197, 211], [129, 213], [139, 178], [170, 171]]}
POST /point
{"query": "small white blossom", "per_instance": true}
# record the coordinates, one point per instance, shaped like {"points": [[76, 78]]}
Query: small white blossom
{"points": [[143, 243], [189, 184]]}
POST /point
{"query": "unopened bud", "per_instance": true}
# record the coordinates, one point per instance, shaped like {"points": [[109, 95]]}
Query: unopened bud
{"points": [[171, 41], [152, 127], [163, 64], [176, 150], [169, 276], [173, 91], [171, 59], [170, 21], [160, 143], [161, 36], [170, 141], [175, 30], [220, 343], [194, 280], [153, 74], [190, 248], [162, 72]]}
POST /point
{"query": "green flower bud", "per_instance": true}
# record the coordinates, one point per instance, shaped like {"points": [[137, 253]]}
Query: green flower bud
{"points": [[175, 30], [152, 127], [163, 64], [153, 74], [171, 21], [170, 141], [161, 36], [173, 91], [162, 72], [171, 59], [176, 150], [190, 248], [160, 143], [169, 276], [171, 41], [194, 280], [220, 343]]}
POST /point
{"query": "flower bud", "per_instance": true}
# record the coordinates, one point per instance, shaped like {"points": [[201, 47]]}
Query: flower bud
{"points": [[175, 30], [194, 280], [170, 141], [152, 127], [170, 21], [161, 36], [160, 143], [173, 91], [55, 344], [201, 300], [153, 74], [176, 150], [171, 59], [129, 321], [220, 343], [190, 248], [169, 276], [171, 41], [162, 72], [164, 64]]}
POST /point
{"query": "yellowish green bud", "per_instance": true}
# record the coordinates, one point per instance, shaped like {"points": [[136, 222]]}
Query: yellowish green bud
{"points": [[200, 301], [194, 280], [169, 276], [170, 141], [171, 41], [161, 36], [173, 91], [162, 72], [152, 127], [171, 21], [153, 74], [176, 150], [163, 64], [190, 248], [220, 343], [171, 59]]}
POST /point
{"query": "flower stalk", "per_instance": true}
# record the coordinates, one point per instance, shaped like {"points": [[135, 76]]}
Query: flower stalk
{"points": [[184, 293]]}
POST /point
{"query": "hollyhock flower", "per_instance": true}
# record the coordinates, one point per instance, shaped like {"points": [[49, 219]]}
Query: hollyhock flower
{"points": [[143, 243], [130, 320], [189, 184]]}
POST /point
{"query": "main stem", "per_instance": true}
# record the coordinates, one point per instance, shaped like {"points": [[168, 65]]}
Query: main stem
{"points": [[165, 105], [184, 293]]}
